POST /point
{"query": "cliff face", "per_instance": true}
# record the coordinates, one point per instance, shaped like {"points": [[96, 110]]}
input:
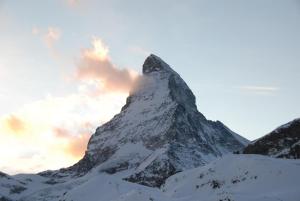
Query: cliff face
{"points": [[283, 142]]}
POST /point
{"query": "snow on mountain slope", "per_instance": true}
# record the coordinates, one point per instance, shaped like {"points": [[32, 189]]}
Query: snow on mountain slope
{"points": [[111, 188], [283, 142], [238, 178], [9, 186], [14, 187], [158, 132], [230, 178]]}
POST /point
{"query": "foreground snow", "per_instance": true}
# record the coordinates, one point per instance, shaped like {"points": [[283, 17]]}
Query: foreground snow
{"points": [[238, 177], [233, 177]]}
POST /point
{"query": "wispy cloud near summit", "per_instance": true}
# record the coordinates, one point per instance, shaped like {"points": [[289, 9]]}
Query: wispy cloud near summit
{"points": [[96, 66]]}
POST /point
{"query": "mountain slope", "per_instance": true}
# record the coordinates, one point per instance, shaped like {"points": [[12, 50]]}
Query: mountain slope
{"points": [[283, 142], [158, 132], [238, 178]]}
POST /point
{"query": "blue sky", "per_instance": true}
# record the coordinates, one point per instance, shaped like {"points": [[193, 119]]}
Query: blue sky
{"points": [[240, 58]]}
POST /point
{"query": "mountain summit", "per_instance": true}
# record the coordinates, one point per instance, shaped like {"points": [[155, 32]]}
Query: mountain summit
{"points": [[158, 132], [154, 63]]}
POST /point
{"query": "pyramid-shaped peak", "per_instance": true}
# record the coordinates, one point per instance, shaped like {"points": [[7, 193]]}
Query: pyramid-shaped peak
{"points": [[154, 63], [158, 132]]}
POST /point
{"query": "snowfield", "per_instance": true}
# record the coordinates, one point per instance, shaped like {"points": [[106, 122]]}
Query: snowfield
{"points": [[230, 178], [238, 178]]}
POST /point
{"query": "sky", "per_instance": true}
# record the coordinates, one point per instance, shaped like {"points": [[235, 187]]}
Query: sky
{"points": [[66, 67]]}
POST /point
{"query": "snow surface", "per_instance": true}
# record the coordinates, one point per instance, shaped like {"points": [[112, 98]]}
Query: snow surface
{"points": [[230, 178], [239, 178]]}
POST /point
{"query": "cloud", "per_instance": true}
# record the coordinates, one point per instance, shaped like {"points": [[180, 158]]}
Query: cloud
{"points": [[15, 124], [58, 128], [139, 50], [262, 90], [52, 35], [76, 144], [53, 132], [49, 36], [61, 132], [96, 66]]}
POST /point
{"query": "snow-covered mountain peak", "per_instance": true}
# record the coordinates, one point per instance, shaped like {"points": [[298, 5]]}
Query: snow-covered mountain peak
{"points": [[158, 132], [154, 64], [160, 83]]}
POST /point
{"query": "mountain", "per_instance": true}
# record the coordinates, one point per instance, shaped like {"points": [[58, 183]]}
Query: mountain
{"points": [[159, 139], [283, 142], [158, 132]]}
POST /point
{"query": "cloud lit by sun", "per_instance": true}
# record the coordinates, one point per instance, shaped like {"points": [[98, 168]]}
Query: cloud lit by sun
{"points": [[99, 51], [97, 68], [14, 124], [53, 132], [56, 127]]}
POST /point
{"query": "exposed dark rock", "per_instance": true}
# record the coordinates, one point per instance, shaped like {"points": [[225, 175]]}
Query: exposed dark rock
{"points": [[3, 198], [154, 175], [3, 175], [118, 168], [215, 184], [16, 189], [284, 142]]}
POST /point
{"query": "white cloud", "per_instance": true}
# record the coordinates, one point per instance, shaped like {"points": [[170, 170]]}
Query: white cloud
{"points": [[139, 50], [260, 90]]}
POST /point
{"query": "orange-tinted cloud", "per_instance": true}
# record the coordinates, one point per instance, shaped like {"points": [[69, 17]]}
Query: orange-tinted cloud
{"points": [[15, 124], [61, 132], [56, 128], [76, 144], [95, 65]]}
